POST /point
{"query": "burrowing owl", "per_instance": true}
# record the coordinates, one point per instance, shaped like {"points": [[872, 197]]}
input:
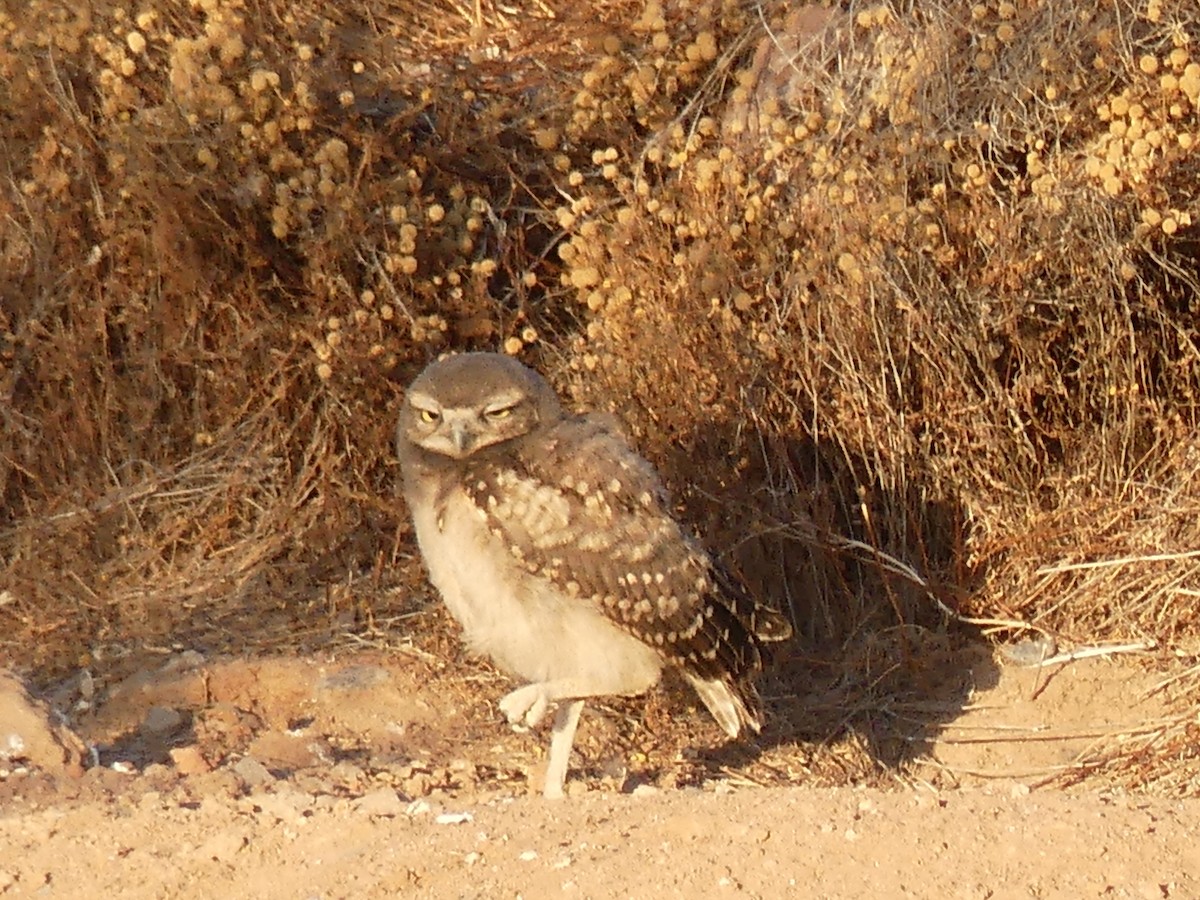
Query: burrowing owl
{"points": [[553, 545]]}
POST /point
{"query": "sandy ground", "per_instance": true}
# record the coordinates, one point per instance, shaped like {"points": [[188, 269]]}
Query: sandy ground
{"points": [[365, 775]]}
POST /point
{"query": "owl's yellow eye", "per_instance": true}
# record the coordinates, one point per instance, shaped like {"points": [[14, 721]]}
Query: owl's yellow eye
{"points": [[429, 416], [496, 414]]}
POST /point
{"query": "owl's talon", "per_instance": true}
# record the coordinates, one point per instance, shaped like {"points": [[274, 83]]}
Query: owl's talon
{"points": [[526, 706]]}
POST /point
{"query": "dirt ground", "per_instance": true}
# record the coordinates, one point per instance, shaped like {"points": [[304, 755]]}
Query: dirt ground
{"points": [[367, 774]]}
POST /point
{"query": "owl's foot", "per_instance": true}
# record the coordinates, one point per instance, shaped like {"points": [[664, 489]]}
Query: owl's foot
{"points": [[526, 706]]}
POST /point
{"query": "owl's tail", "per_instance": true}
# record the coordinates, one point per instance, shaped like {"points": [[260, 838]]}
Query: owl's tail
{"points": [[732, 705]]}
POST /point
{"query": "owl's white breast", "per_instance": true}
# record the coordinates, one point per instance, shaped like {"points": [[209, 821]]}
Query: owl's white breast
{"points": [[522, 621]]}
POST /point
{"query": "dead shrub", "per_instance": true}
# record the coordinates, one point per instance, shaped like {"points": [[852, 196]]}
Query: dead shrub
{"points": [[901, 300]]}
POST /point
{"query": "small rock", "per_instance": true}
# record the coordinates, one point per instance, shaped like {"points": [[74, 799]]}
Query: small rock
{"points": [[347, 773], [326, 803], [29, 731], [454, 818], [353, 679], [381, 802], [1030, 651], [124, 767], [156, 771], [189, 760], [288, 751], [418, 784], [183, 662], [161, 719], [287, 806], [252, 772], [312, 781], [226, 723]]}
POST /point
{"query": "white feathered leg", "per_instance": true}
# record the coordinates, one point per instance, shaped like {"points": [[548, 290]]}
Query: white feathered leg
{"points": [[562, 738], [525, 707]]}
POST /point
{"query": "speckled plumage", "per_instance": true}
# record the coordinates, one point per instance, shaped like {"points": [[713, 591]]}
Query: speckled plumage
{"points": [[553, 545]]}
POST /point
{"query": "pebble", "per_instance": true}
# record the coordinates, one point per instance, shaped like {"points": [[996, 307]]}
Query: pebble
{"points": [[161, 719], [347, 772], [251, 771], [189, 760], [353, 678], [288, 806], [381, 802], [182, 662], [1030, 651], [288, 751]]}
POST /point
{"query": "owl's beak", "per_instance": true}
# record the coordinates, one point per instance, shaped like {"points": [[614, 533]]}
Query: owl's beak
{"points": [[460, 437]]}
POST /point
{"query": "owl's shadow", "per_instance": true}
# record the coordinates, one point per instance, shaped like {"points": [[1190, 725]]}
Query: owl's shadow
{"points": [[871, 578]]}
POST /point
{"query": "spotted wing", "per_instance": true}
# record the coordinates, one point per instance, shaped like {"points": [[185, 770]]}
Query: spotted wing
{"points": [[580, 508]]}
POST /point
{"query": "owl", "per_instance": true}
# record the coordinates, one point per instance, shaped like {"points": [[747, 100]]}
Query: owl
{"points": [[554, 546]]}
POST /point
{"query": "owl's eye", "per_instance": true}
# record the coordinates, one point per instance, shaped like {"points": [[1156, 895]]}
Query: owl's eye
{"points": [[429, 416], [497, 414]]}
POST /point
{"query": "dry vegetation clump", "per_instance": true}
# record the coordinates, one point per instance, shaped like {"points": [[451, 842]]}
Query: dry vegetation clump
{"points": [[902, 299], [939, 276], [227, 228]]}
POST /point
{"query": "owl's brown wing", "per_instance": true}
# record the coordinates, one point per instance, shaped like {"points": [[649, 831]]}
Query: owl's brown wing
{"points": [[577, 506]]}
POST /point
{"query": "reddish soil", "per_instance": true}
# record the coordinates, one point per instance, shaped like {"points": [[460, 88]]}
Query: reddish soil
{"points": [[368, 774]]}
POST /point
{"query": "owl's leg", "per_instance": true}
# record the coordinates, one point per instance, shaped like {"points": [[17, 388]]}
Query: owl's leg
{"points": [[566, 719]]}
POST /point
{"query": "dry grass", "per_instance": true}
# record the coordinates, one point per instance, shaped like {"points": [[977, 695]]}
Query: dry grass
{"points": [[872, 284]]}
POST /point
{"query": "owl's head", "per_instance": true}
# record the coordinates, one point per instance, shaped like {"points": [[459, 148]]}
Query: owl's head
{"points": [[462, 404]]}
